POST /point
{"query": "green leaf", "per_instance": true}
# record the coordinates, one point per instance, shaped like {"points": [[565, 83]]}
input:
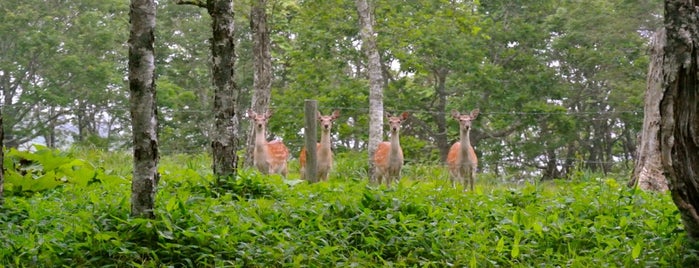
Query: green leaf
{"points": [[501, 245], [537, 228], [515, 251], [636, 252]]}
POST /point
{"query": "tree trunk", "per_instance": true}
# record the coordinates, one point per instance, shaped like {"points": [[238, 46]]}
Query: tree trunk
{"points": [[50, 136], [679, 121], [648, 171], [11, 142], [143, 110], [225, 140], [608, 145], [550, 170], [2, 162], [440, 118], [366, 22], [81, 122], [629, 144], [262, 82]]}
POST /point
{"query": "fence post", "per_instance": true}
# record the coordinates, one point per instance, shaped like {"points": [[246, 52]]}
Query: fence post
{"points": [[310, 132]]}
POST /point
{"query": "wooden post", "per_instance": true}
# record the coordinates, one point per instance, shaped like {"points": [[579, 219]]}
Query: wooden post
{"points": [[310, 132]]}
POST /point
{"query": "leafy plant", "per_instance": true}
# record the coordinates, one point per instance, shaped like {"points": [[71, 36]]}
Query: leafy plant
{"points": [[43, 169], [263, 221]]}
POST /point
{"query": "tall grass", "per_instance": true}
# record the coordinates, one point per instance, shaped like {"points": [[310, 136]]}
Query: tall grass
{"points": [[266, 221]]}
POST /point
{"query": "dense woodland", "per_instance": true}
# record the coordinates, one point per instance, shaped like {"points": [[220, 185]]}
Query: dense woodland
{"points": [[559, 84], [107, 104]]}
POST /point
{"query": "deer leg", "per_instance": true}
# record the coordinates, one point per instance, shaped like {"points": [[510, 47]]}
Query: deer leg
{"points": [[473, 178]]}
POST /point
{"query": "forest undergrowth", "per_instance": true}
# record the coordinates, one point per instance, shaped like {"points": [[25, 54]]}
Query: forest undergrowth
{"points": [[72, 209]]}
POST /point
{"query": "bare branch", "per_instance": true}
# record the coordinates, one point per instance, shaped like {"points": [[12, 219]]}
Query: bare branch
{"points": [[199, 3], [486, 133]]}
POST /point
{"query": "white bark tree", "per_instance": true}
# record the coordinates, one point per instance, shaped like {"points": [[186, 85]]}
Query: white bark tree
{"points": [[366, 23], [143, 109], [2, 161]]}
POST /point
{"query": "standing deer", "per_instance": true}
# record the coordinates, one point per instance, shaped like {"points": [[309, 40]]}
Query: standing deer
{"points": [[268, 157], [324, 153], [388, 158], [462, 159]]}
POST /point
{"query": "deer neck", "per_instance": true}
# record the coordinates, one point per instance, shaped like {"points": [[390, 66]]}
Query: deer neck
{"points": [[465, 143], [324, 149], [395, 147], [260, 141], [324, 142]]}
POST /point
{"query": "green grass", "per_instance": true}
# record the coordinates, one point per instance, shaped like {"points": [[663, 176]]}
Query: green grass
{"points": [[259, 221]]}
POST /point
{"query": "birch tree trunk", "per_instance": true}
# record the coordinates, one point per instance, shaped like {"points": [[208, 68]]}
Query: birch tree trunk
{"points": [[648, 171], [143, 110], [2, 161], [262, 83], [679, 121], [225, 140], [366, 22]]}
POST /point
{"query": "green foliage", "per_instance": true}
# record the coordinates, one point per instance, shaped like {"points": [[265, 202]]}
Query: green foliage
{"points": [[261, 221], [65, 62], [552, 78], [46, 169], [185, 91], [93, 141], [351, 165], [248, 185]]}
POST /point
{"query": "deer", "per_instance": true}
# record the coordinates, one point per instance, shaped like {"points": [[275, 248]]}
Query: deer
{"points": [[388, 158], [324, 155], [462, 159], [268, 157]]}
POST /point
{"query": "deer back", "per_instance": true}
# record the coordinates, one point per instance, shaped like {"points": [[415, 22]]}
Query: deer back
{"points": [[278, 153]]}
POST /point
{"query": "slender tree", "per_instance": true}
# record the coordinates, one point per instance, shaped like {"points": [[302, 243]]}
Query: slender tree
{"points": [[224, 138], [262, 82], [2, 161], [679, 110], [143, 109], [366, 24]]}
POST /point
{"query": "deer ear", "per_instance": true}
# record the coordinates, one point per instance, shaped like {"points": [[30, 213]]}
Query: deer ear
{"points": [[268, 114], [404, 115], [336, 114], [318, 114], [455, 114], [251, 114], [475, 113]]}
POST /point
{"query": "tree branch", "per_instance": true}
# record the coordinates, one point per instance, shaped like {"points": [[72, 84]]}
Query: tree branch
{"points": [[480, 134], [199, 3]]}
